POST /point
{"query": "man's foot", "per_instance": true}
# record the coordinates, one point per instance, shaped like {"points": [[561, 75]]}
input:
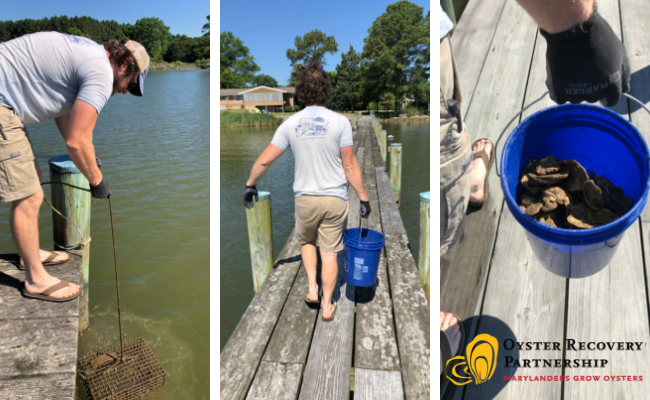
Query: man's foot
{"points": [[328, 310], [479, 171], [313, 294], [450, 326], [59, 258], [49, 281]]}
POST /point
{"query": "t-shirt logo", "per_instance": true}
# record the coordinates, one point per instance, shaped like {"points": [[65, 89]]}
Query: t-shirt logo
{"points": [[311, 127], [78, 39]]}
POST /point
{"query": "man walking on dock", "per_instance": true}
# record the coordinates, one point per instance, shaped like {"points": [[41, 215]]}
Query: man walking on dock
{"points": [[45, 76], [321, 142]]}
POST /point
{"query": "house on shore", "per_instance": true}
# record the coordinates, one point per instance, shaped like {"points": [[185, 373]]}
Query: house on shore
{"points": [[262, 98]]}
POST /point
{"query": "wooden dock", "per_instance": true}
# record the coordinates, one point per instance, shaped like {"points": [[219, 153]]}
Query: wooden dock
{"points": [[377, 347], [490, 278], [38, 339]]}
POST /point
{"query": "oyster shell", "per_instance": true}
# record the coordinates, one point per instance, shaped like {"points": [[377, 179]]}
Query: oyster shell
{"points": [[593, 195], [577, 175], [585, 217], [550, 179]]}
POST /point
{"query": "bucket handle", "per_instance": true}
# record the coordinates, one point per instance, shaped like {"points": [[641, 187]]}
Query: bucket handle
{"points": [[528, 106]]}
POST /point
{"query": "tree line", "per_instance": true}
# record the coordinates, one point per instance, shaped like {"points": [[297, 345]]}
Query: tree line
{"points": [[152, 33], [392, 66]]}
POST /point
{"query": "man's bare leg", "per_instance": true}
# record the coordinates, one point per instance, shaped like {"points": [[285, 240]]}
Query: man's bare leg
{"points": [[24, 228], [329, 274], [309, 260]]}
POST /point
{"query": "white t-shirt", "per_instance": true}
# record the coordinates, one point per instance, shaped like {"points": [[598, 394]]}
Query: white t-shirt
{"points": [[42, 74], [315, 136]]}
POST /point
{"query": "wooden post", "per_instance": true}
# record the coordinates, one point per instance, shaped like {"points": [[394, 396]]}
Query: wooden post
{"points": [[260, 237], [382, 144], [424, 253], [379, 134], [396, 170], [75, 205]]}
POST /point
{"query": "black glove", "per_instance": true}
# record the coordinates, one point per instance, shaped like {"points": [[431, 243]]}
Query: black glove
{"points": [[101, 191], [249, 193], [586, 63], [99, 162], [364, 210]]}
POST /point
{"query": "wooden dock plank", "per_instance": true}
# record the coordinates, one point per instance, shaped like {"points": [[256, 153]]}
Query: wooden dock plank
{"points": [[412, 317], [611, 306], [377, 385], [277, 381], [471, 41], [51, 387], [243, 352], [375, 343], [497, 98], [14, 306], [523, 302], [391, 221], [635, 16], [38, 347], [327, 374]]}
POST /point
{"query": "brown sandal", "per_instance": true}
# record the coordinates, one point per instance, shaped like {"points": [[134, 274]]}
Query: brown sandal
{"points": [[488, 161], [45, 295], [333, 313], [48, 260]]}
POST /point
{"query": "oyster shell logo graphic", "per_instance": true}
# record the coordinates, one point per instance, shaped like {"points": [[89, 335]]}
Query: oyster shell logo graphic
{"points": [[481, 361]]}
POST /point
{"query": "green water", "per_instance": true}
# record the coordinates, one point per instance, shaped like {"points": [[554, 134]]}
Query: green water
{"points": [[239, 150], [155, 151]]}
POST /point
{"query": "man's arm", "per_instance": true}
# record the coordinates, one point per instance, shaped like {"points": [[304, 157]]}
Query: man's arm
{"points": [[62, 123], [78, 139], [556, 16], [353, 172], [263, 163]]}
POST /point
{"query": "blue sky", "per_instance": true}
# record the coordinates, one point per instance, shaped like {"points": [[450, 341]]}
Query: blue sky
{"points": [[184, 17], [268, 28]]}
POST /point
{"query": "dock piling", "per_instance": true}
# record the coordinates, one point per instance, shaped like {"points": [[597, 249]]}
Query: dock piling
{"points": [[382, 143], [396, 170], [424, 253], [260, 237], [75, 205]]}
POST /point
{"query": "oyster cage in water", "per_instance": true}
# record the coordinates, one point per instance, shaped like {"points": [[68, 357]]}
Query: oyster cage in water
{"points": [[104, 377]]}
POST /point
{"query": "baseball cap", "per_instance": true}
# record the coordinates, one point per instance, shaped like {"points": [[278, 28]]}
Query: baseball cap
{"points": [[142, 58]]}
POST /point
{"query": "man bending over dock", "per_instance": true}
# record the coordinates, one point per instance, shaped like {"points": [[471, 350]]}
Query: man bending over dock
{"points": [[321, 141], [44, 76]]}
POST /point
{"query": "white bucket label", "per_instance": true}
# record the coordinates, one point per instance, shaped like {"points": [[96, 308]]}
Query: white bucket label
{"points": [[359, 268]]}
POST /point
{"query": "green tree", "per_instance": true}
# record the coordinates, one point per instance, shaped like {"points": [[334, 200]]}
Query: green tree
{"points": [[348, 85], [264, 80], [395, 43], [173, 52], [311, 47], [153, 34], [206, 28], [75, 31], [236, 66]]}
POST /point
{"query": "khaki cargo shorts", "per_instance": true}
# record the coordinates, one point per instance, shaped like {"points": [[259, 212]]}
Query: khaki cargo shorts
{"points": [[322, 217], [455, 155], [19, 172]]}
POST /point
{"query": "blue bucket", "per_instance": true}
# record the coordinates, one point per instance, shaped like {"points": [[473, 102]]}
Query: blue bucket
{"points": [[362, 253], [600, 140]]}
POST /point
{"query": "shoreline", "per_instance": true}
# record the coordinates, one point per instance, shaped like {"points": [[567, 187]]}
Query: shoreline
{"points": [[405, 119], [175, 67]]}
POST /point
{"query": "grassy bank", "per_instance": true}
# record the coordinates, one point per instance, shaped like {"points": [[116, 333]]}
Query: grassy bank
{"points": [[230, 119]]}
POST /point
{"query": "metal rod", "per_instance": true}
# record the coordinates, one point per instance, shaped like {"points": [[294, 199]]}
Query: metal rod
{"points": [[117, 282]]}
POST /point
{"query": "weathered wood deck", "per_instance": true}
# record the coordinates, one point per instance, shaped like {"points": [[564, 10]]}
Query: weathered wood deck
{"points": [[490, 278], [38, 339], [378, 344]]}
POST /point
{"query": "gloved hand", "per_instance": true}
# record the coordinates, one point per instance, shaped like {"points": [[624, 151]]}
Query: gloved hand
{"points": [[249, 193], [101, 191], [586, 63], [364, 210]]}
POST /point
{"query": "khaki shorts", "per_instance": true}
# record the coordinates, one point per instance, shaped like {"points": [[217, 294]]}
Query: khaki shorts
{"points": [[18, 165], [455, 155], [322, 217]]}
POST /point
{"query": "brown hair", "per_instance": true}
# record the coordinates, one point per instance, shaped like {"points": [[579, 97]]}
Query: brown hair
{"points": [[120, 55], [313, 84]]}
